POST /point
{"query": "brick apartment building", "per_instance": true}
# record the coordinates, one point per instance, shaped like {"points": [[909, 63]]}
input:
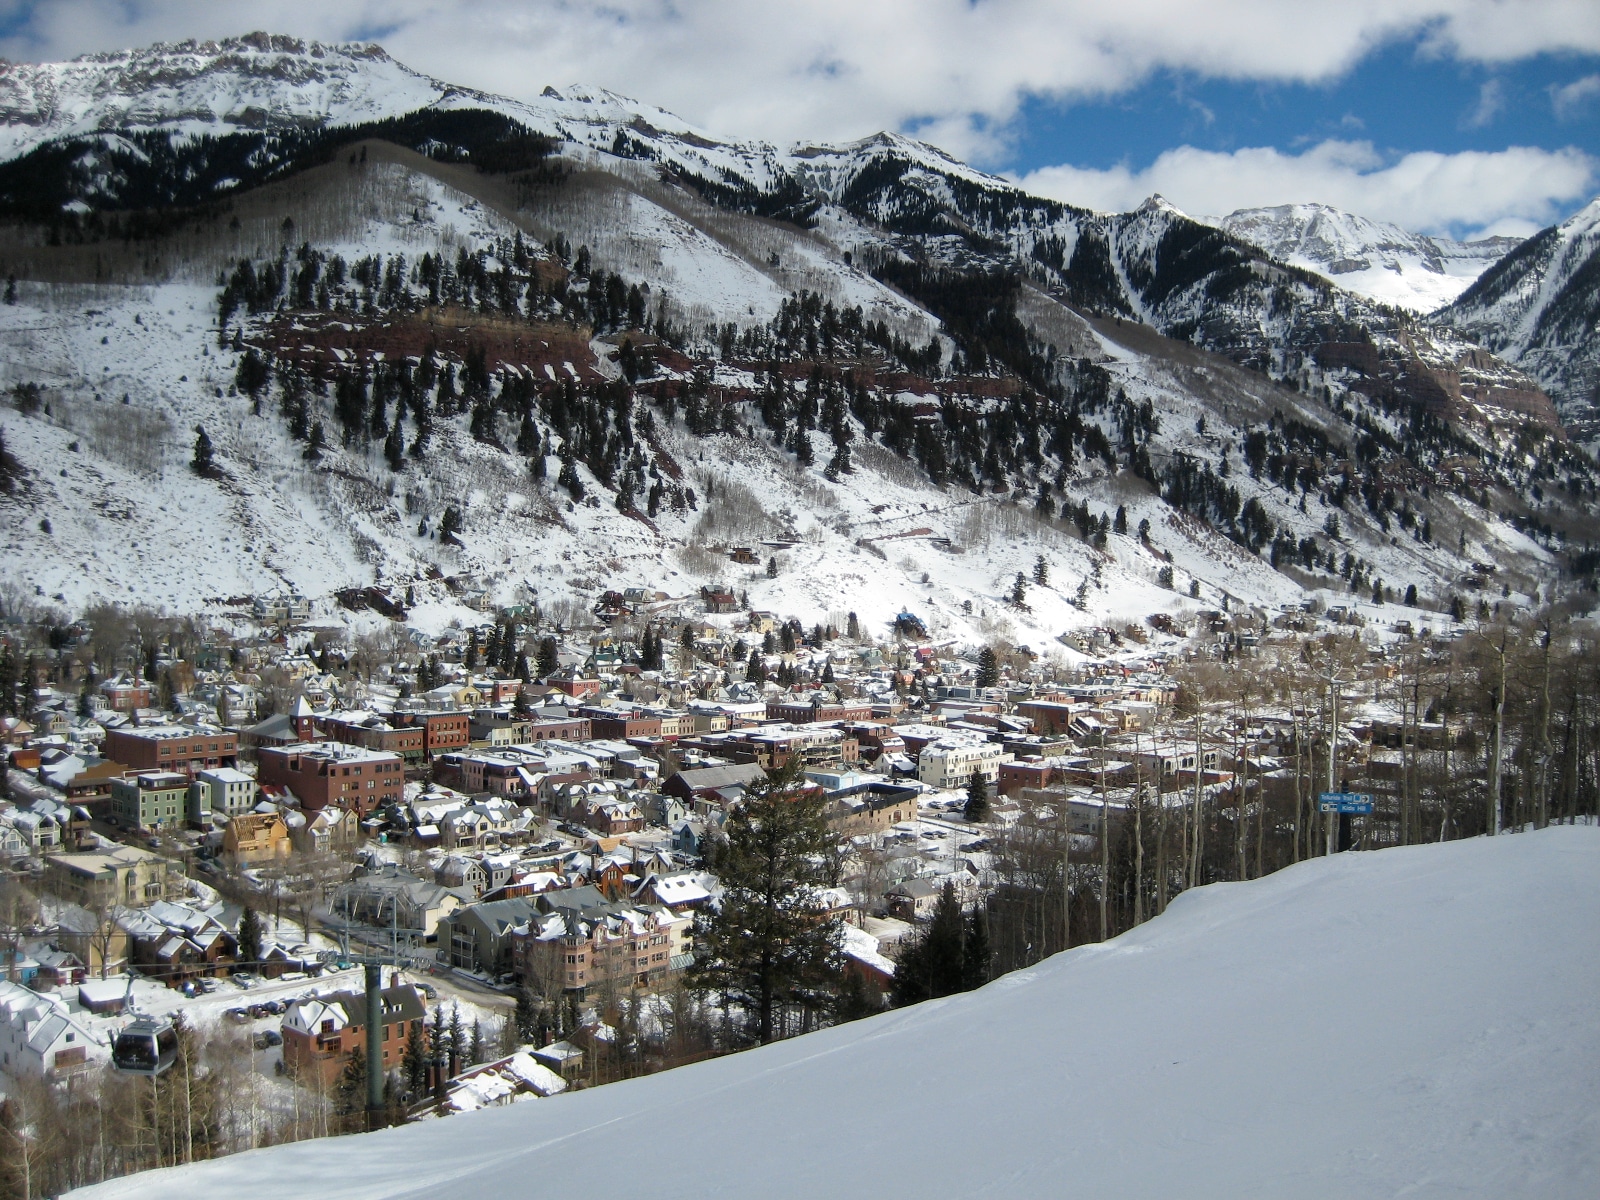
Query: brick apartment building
{"points": [[374, 733], [621, 723], [441, 731], [804, 712], [333, 773], [173, 748]]}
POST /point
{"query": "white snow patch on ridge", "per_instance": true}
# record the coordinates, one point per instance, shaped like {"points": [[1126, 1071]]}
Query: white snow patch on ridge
{"points": [[1411, 1022]]}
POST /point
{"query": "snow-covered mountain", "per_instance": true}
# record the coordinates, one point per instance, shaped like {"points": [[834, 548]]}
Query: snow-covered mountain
{"points": [[1407, 1022], [1375, 259], [1004, 346], [1539, 307]]}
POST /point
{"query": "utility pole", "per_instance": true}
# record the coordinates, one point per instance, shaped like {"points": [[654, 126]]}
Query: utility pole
{"points": [[1331, 820], [1195, 845]]}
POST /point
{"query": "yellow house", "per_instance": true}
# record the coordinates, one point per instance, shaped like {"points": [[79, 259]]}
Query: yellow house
{"points": [[257, 837]]}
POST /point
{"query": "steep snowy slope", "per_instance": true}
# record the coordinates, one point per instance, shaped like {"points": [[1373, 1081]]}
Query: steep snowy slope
{"points": [[1539, 307], [1375, 259], [1410, 1022]]}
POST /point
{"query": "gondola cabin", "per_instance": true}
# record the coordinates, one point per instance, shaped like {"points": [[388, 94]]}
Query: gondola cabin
{"points": [[148, 1046]]}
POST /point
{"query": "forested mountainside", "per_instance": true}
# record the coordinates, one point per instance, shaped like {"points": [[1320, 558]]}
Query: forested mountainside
{"points": [[429, 332], [1539, 307]]}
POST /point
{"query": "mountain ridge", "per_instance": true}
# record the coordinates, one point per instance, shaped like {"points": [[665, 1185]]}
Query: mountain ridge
{"points": [[982, 358]]}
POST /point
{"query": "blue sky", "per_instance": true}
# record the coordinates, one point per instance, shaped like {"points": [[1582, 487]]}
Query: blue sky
{"points": [[1457, 116], [1398, 98]]}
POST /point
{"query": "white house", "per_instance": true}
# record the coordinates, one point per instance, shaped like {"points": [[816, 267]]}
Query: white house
{"points": [[222, 790], [38, 1036], [949, 763]]}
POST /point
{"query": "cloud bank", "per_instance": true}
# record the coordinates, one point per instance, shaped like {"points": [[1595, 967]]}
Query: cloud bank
{"points": [[1512, 191], [957, 71]]}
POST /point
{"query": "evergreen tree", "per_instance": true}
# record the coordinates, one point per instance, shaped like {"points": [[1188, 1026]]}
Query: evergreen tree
{"points": [[754, 671], [249, 936], [203, 453], [975, 951], [414, 1065], [458, 1037], [475, 1054], [548, 662], [394, 445], [853, 628], [988, 668], [772, 566], [1120, 524], [473, 652], [1019, 592], [529, 1015], [977, 807], [450, 525], [931, 966], [1411, 595], [350, 1098], [1041, 572], [767, 947]]}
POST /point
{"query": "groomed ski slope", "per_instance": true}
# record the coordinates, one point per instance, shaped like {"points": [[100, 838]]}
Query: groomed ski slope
{"points": [[1415, 1023]]}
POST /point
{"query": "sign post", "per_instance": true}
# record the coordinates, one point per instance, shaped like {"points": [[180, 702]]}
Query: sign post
{"points": [[1340, 807]]}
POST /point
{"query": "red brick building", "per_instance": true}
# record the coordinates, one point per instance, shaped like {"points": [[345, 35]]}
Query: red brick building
{"points": [[375, 733], [333, 773], [319, 1032], [173, 748], [573, 729], [1029, 773], [442, 731], [804, 712], [622, 724]]}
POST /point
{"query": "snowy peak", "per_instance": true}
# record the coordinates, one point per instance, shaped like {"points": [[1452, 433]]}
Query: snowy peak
{"points": [[1375, 259], [258, 82]]}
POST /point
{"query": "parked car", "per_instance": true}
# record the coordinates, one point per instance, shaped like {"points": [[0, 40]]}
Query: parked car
{"points": [[428, 990], [258, 1011], [237, 1015], [272, 1037], [275, 1007]]}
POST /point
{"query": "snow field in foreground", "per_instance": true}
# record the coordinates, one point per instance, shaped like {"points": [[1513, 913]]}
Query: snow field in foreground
{"points": [[1414, 1021]]}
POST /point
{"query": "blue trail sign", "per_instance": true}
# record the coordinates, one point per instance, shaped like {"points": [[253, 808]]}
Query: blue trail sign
{"points": [[1358, 803]]}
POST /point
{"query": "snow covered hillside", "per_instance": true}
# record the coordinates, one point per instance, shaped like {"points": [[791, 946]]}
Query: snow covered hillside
{"points": [[1539, 307], [1413, 1022], [1372, 258], [1027, 357]]}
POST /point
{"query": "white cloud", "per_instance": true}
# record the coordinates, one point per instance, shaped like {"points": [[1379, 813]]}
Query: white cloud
{"points": [[845, 68], [1491, 103], [1572, 98], [1425, 191]]}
